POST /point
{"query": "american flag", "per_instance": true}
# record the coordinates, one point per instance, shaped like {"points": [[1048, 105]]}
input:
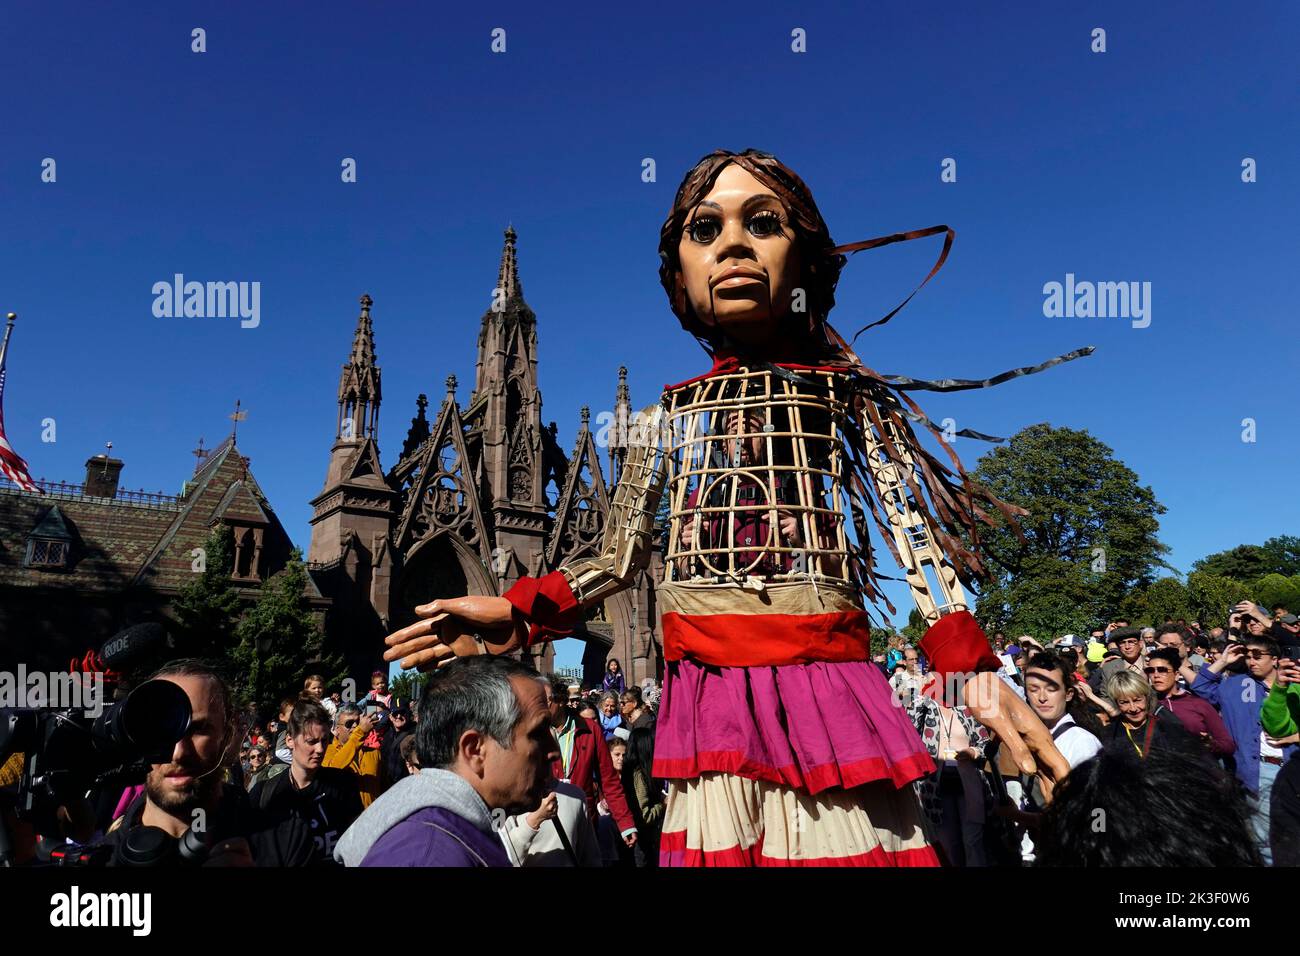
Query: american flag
{"points": [[11, 465]]}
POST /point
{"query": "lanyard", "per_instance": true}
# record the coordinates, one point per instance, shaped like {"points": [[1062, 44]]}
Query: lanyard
{"points": [[1146, 738]]}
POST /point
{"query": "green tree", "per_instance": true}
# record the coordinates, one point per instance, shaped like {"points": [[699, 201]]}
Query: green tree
{"points": [[915, 628], [207, 609], [1283, 554], [1274, 589], [1154, 603], [1210, 595], [408, 684], [1246, 562], [1089, 539], [280, 641]]}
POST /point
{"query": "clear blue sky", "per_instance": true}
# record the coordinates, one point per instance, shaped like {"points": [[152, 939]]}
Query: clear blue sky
{"points": [[1122, 166]]}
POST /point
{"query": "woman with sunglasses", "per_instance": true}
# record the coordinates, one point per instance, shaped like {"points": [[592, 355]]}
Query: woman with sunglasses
{"points": [[1197, 715]]}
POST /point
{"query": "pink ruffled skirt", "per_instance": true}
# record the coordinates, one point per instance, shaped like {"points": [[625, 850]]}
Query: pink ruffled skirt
{"points": [[796, 765]]}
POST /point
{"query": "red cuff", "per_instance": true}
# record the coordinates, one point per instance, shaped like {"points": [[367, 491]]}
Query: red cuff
{"points": [[955, 644], [548, 604]]}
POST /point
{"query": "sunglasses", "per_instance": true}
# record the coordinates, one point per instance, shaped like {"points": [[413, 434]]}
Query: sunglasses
{"points": [[1158, 670], [1256, 655]]}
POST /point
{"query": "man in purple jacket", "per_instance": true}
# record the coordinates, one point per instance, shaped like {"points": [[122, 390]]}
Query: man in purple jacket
{"points": [[485, 747]]}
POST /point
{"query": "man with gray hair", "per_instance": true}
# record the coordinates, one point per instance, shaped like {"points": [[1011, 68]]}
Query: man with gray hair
{"points": [[485, 747]]}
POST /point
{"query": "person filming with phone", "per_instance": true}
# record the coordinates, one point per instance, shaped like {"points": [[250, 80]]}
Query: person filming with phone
{"points": [[1240, 699]]}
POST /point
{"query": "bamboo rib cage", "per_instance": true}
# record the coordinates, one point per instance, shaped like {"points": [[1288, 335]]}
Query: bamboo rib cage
{"points": [[755, 478]]}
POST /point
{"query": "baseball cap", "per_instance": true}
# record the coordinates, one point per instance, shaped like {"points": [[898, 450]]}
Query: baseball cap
{"points": [[1071, 641], [1289, 619], [1013, 650]]}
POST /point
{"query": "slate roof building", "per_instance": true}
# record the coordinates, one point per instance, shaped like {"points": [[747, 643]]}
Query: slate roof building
{"points": [[78, 562]]}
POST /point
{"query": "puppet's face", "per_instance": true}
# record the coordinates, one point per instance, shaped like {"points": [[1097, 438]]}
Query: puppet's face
{"points": [[740, 226]]}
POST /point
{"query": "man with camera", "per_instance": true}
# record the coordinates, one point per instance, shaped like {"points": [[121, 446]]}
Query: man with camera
{"points": [[186, 814], [349, 749]]}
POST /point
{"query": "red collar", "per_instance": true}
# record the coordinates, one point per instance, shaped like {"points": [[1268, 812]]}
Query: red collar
{"points": [[725, 363]]}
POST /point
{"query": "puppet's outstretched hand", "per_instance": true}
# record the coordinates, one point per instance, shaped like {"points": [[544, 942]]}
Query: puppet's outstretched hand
{"points": [[999, 708], [959, 651], [457, 627]]}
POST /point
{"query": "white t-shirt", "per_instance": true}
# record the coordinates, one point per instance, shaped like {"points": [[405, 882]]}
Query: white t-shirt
{"points": [[1266, 749], [1076, 745]]}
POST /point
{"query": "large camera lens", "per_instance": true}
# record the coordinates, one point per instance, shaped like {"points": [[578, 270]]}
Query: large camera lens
{"points": [[149, 722]]}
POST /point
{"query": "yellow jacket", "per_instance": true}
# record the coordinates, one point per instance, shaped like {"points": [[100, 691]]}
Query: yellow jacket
{"points": [[363, 761]]}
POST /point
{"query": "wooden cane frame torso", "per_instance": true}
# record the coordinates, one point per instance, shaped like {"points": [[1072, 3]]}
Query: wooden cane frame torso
{"points": [[739, 453]]}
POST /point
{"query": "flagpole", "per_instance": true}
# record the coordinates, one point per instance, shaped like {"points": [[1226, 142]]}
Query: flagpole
{"points": [[11, 318]]}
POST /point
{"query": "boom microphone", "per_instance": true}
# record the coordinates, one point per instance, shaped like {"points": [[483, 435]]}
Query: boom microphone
{"points": [[130, 644]]}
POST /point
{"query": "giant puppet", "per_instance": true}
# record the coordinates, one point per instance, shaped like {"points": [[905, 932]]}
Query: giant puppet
{"points": [[781, 742]]}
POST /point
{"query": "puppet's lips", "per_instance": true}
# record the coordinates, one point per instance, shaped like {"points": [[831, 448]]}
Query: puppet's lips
{"points": [[734, 277]]}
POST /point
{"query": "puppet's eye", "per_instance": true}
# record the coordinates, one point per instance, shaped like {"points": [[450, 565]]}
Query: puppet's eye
{"points": [[765, 224], [703, 229]]}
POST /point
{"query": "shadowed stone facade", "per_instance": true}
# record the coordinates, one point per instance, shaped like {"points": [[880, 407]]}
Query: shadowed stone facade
{"points": [[478, 497]]}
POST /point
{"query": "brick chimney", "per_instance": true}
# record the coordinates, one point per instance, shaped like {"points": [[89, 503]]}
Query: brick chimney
{"points": [[102, 474]]}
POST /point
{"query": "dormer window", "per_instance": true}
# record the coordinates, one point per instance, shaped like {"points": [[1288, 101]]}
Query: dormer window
{"points": [[49, 544], [45, 553]]}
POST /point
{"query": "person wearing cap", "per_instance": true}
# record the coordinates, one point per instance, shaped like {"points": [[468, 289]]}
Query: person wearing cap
{"points": [[1128, 644], [393, 767], [1009, 672]]}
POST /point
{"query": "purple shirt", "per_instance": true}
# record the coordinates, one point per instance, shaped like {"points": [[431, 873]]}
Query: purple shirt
{"points": [[435, 836]]}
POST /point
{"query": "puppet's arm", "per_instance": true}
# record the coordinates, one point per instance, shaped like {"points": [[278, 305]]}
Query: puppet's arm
{"points": [[913, 537], [625, 547], [955, 645], [542, 609]]}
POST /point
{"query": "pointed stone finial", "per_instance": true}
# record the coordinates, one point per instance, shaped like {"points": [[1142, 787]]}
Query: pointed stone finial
{"points": [[586, 415], [451, 386], [366, 303], [508, 271], [421, 403]]}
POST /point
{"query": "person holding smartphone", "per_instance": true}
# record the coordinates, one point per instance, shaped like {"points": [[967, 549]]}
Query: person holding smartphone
{"points": [[1240, 699], [1280, 718]]}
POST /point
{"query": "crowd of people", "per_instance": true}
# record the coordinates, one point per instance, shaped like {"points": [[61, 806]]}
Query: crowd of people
{"points": [[1151, 720], [1180, 740]]}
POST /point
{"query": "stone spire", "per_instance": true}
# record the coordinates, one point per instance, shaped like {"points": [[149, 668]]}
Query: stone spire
{"points": [[359, 384], [618, 428], [508, 271]]}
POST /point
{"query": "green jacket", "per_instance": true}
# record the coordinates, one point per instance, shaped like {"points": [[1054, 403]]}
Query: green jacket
{"points": [[1280, 715]]}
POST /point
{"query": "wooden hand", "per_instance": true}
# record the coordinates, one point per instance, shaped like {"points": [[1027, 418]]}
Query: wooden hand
{"points": [[1027, 739], [453, 627]]}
